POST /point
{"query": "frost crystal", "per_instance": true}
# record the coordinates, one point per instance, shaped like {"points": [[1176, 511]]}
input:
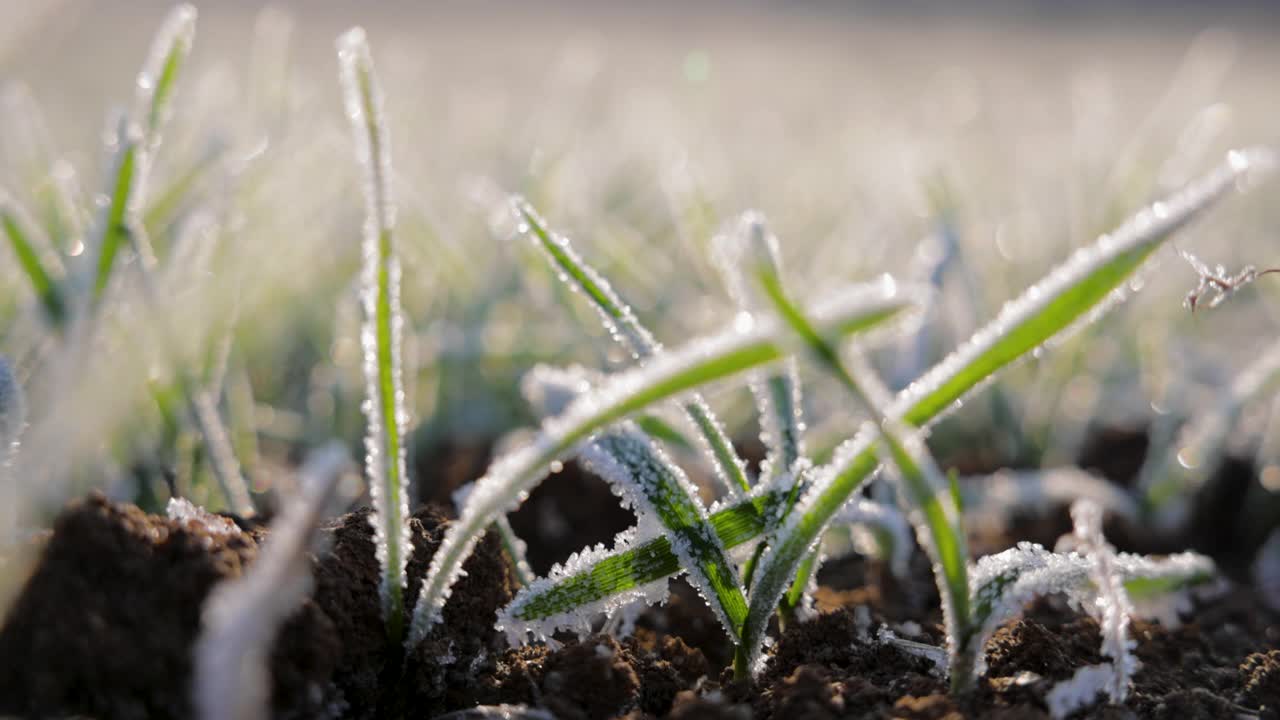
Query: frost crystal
{"points": [[1081, 691], [182, 510]]}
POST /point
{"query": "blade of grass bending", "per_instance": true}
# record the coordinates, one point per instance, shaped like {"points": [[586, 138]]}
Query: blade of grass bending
{"points": [[646, 561], [19, 231], [656, 488], [652, 486], [385, 411], [1005, 582], [1080, 290], [1105, 266], [933, 511], [667, 376], [626, 329]]}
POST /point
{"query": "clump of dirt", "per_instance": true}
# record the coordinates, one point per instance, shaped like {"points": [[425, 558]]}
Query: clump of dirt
{"points": [[827, 667], [372, 677], [1260, 676], [597, 677], [106, 623]]}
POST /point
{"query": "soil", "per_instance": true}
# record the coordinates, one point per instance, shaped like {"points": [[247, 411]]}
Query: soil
{"points": [[105, 625]]}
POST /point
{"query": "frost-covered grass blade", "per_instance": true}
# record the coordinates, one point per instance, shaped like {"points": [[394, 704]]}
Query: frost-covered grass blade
{"points": [[623, 325], [666, 376], [933, 508], [380, 336], [656, 488], [1103, 267]]}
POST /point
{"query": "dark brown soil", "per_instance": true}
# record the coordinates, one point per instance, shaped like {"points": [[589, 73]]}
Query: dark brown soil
{"points": [[105, 625]]}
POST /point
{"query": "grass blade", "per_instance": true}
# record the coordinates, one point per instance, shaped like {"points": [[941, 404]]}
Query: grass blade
{"points": [[242, 617], [385, 411], [855, 460], [668, 375], [19, 231], [933, 508], [159, 74], [626, 329], [124, 195], [655, 488]]}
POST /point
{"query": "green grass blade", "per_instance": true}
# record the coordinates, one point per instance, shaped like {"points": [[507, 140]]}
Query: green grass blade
{"points": [[20, 233], [1078, 291], [654, 487], [934, 512], [648, 561], [386, 415], [625, 327], [668, 375], [855, 460], [158, 77], [113, 228]]}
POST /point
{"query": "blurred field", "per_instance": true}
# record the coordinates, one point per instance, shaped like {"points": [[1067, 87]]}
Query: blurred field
{"points": [[859, 133]]}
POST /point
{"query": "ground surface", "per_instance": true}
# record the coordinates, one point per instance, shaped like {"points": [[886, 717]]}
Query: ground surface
{"points": [[105, 625]]}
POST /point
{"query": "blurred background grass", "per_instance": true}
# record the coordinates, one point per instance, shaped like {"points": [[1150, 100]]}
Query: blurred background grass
{"points": [[876, 139]]}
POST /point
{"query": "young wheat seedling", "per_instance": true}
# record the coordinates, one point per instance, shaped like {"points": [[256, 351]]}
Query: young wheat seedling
{"points": [[667, 375], [1079, 291], [623, 325], [380, 336]]}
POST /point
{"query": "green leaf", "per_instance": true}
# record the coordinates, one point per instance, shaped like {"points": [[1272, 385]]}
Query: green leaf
{"points": [[46, 288]]}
